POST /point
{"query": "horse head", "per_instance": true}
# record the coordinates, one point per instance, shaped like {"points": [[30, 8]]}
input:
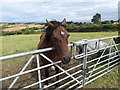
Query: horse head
{"points": [[57, 35]]}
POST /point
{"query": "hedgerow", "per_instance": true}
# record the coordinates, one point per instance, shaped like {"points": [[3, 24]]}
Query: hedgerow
{"points": [[91, 27], [88, 27]]}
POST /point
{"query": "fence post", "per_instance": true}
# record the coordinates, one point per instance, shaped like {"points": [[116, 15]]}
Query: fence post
{"points": [[74, 49], [84, 62], [71, 47], [39, 72]]}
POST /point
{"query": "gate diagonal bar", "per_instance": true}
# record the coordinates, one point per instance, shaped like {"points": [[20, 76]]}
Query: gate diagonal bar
{"points": [[77, 76], [99, 59], [59, 67], [21, 71]]}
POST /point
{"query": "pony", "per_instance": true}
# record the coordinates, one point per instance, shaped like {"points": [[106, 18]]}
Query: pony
{"points": [[55, 35]]}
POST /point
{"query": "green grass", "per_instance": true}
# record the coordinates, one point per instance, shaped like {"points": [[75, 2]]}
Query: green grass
{"points": [[22, 43], [107, 81], [19, 43]]}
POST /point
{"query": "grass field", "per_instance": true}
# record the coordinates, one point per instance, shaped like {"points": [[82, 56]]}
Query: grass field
{"points": [[23, 43]]}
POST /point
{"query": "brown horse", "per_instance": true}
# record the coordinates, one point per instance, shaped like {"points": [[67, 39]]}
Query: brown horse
{"points": [[55, 35]]}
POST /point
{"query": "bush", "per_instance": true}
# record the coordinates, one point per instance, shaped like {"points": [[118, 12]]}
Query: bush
{"points": [[88, 27], [11, 32], [117, 40], [71, 28], [3, 27]]}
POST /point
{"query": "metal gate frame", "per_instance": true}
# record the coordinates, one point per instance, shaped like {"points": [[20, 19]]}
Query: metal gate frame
{"points": [[85, 76], [85, 54]]}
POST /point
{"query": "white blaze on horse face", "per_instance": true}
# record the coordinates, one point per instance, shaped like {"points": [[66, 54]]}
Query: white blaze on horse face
{"points": [[62, 33]]}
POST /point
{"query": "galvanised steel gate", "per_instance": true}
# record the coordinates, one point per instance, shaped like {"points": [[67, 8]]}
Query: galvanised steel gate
{"points": [[91, 64]]}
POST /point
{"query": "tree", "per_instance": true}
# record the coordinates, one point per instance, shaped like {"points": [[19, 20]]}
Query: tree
{"points": [[96, 18], [111, 21], [118, 20]]}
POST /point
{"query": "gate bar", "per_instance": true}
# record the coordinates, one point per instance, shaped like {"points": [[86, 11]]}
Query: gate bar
{"points": [[84, 63], [39, 73], [103, 66], [14, 81], [101, 74], [59, 67], [26, 53]]}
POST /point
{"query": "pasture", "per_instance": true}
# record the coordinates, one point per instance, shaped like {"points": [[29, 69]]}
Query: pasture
{"points": [[22, 43]]}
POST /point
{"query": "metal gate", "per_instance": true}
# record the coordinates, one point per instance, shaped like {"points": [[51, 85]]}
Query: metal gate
{"points": [[90, 64]]}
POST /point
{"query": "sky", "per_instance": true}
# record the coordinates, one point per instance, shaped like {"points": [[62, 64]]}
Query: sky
{"points": [[72, 10], [119, 9]]}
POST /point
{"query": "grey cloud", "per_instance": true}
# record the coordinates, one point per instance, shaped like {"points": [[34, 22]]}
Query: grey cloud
{"points": [[75, 11]]}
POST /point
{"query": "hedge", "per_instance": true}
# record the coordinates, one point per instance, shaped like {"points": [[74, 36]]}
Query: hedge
{"points": [[91, 27], [88, 27], [118, 39]]}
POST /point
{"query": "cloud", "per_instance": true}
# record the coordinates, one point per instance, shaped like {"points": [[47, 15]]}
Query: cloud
{"points": [[75, 11], [60, 0]]}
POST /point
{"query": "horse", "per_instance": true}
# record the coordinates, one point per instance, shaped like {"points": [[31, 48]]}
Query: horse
{"points": [[55, 35]]}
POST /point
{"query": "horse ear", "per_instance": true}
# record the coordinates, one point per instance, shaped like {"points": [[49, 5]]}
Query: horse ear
{"points": [[49, 23], [64, 21]]}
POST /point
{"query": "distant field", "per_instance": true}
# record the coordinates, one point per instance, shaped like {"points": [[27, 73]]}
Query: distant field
{"points": [[22, 43], [16, 27]]}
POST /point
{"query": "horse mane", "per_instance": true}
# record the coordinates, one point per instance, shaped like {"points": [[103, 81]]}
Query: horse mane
{"points": [[49, 30]]}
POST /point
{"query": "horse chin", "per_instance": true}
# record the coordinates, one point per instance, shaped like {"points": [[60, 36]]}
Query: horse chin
{"points": [[64, 62]]}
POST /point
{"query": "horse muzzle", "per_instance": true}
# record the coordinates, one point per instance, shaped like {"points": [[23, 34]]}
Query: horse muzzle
{"points": [[66, 60]]}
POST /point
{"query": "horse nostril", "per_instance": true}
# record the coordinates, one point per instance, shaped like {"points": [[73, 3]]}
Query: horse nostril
{"points": [[65, 60]]}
